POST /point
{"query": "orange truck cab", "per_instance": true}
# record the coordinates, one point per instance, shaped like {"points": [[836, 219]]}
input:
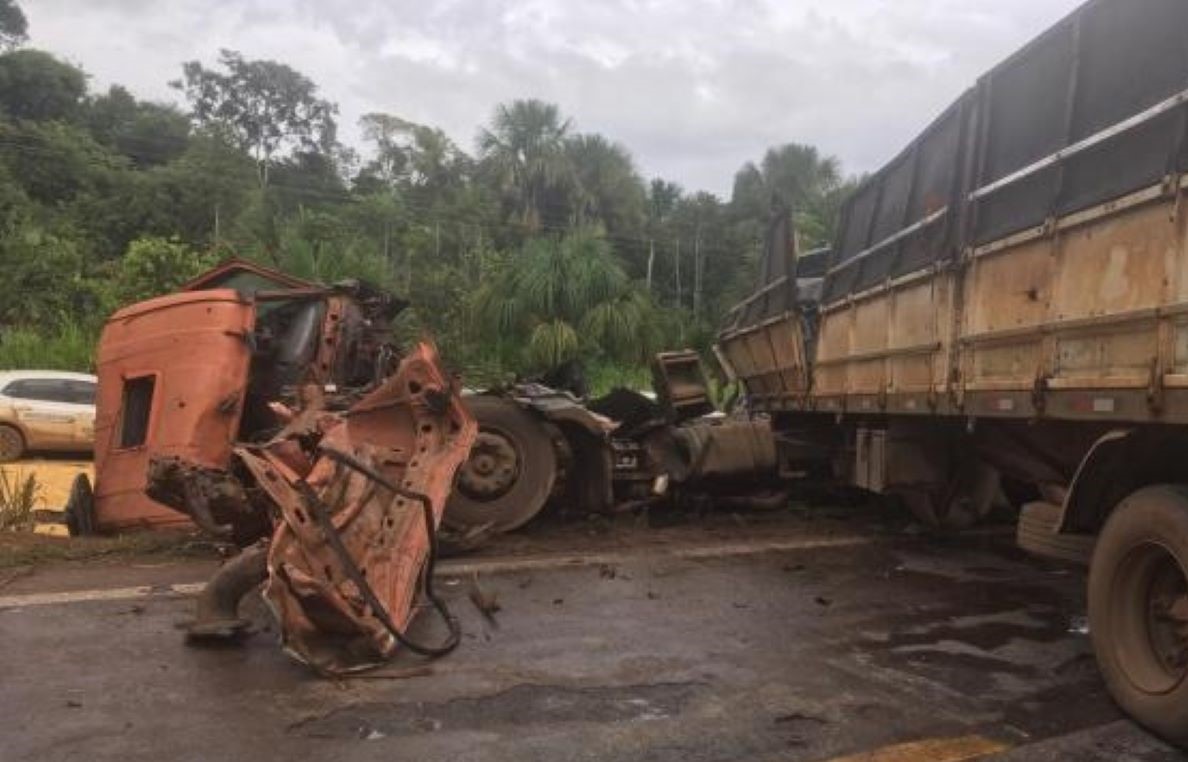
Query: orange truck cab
{"points": [[172, 378], [190, 374]]}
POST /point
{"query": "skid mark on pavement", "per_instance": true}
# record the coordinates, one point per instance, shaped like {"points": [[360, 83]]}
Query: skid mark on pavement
{"points": [[484, 566]]}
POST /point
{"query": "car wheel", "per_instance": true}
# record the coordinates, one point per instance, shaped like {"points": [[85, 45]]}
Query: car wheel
{"points": [[12, 443], [1138, 608], [510, 472]]}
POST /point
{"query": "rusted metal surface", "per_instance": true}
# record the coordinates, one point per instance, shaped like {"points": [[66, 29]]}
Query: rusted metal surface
{"points": [[414, 432], [705, 452], [680, 385], [341, 501]]}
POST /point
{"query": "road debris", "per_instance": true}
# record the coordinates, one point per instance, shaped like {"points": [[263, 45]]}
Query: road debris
{"points": [[486, 602]]}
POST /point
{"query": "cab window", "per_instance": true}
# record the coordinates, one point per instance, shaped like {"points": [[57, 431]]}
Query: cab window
{"points": [[136, 410]]}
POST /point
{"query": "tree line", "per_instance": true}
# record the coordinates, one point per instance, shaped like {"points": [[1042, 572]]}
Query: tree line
{"points": [[538, 245]]}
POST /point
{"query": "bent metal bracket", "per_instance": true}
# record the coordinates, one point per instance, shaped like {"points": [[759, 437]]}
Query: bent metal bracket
{"points": [[355, 498]]}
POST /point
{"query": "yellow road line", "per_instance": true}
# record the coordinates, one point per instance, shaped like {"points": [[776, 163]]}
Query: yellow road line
{"points": [[958, 749]]}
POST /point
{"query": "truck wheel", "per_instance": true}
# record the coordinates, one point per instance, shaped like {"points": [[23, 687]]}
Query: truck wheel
{"points": [[510, 472], [1138, 608], [80, 508], [12, 444], [1037, 533]]}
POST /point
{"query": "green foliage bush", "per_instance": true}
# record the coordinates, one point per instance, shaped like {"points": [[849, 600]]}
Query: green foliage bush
{"points": [[66, 346]]}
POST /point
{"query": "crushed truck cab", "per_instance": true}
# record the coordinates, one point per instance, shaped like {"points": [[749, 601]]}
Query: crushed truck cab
{"points": [[276, 416]]}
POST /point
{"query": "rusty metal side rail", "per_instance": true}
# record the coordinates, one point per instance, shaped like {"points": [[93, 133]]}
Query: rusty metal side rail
{"points": [[1113, 131], [894, 238]]}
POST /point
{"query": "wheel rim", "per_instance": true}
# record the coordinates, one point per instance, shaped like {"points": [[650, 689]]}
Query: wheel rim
{"points": [[1149, 614], [492, 468], [10, 444]]}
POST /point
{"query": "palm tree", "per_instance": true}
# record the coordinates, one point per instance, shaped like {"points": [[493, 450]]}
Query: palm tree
{"points": [[608, 189], [794, 173], [564, 296], [791, 176], [524, 149]]}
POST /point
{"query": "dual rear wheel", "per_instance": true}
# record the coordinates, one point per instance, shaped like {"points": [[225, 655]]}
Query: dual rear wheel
{"points": [[1138, 608]]}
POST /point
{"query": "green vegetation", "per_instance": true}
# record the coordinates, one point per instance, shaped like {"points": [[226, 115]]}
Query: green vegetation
{"points": [[18, 496], [544, 245]]}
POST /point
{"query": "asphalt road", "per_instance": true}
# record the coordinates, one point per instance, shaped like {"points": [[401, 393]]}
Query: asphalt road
{"points": [[786, 642]]}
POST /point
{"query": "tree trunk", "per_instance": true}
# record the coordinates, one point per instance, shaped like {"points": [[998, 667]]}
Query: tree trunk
{"points": [[651, 261], [678, 273]]}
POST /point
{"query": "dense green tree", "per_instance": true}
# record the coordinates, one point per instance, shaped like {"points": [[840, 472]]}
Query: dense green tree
{"points": [[14, 27], [150, 134], [47, 280], [267, 107], [36, 86], [561, 296], [200, 195], [791, 176], [608, 189], [523, 151], [155, 266], [548, 246]]}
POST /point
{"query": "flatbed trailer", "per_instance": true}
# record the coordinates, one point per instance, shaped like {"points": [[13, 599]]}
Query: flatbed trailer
{"points": [[1005, 309]]}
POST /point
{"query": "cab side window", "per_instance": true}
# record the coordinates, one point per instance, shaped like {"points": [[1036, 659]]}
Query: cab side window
{"points": [[137, 409]]}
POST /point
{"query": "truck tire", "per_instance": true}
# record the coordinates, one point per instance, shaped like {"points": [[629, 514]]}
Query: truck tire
{"points": [[1037, 533], [1138, 608], [12, 443], [80, 508], [510, 472]]}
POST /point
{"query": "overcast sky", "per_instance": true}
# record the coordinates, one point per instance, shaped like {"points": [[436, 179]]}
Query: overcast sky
{"points": [[693, 88]]}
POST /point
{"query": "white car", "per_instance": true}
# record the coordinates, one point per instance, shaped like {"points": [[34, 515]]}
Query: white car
{"points": [[46, 410]]}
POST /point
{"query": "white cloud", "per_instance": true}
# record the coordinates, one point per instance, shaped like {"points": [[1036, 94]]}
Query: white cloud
{"points": [[693, 87]]}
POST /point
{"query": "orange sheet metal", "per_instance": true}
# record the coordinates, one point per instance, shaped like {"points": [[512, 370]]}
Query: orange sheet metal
{"points": [[194, 349], [415, 432]]}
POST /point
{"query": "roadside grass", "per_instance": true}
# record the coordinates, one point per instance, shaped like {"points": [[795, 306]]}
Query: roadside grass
{"points": [[18, 497], [28, 549]]}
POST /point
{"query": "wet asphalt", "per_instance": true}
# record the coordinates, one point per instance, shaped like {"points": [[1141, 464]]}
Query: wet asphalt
{"points": [[796, 654]]}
